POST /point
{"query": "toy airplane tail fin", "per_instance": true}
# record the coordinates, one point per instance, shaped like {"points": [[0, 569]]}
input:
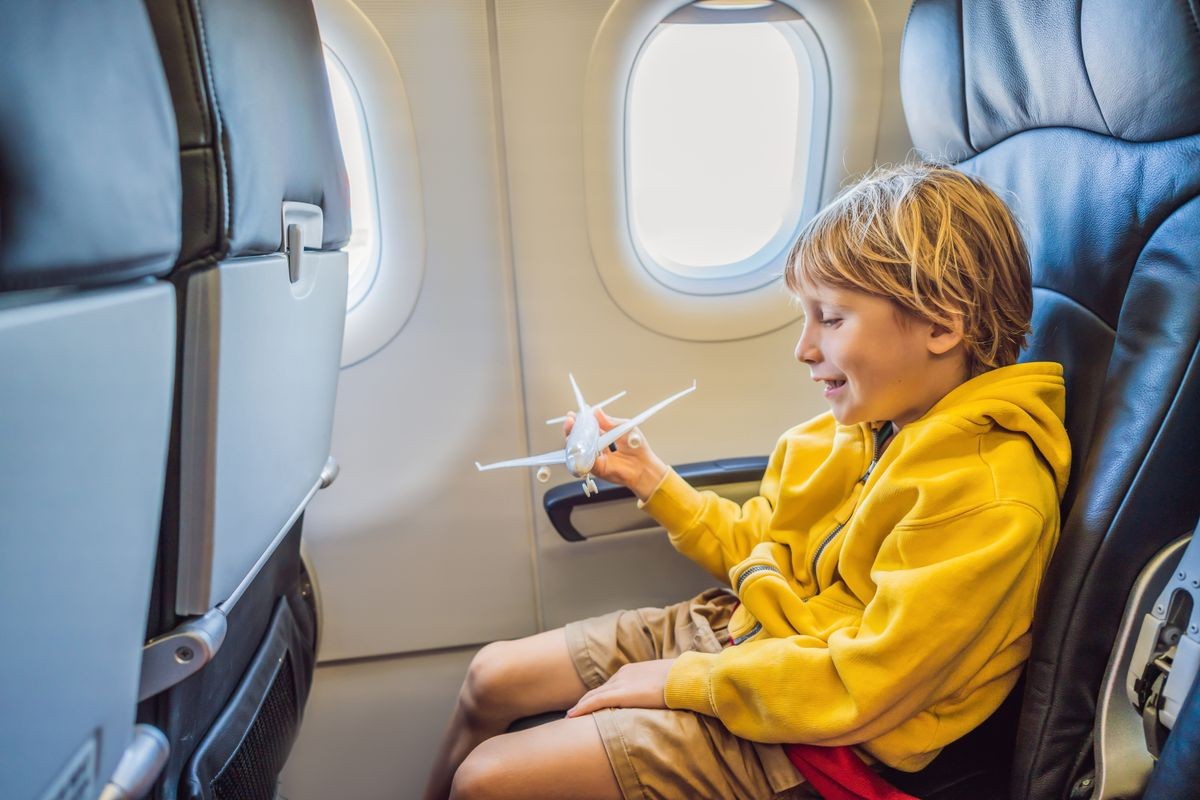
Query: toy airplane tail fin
{"points": [[579, 401], [617, 396]]}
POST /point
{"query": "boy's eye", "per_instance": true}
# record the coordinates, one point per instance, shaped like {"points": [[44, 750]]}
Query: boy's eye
{"points": [[830, 322]]}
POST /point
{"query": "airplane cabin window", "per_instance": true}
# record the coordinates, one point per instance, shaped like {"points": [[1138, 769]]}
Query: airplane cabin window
{"points": [[387, 244], [356, 150], [720, 125], [712, 132]]}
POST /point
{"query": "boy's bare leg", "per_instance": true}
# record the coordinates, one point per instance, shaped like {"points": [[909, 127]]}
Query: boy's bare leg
{"points": [[564, 758], [505, 682]]}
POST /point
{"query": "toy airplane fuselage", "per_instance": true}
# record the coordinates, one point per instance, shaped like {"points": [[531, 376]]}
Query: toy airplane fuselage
{"points": [[583, 442], [586, 441]]}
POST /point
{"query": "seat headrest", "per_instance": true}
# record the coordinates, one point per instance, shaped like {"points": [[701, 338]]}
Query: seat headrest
{"points": [[973, 74], [256, 124], [89, 160]]}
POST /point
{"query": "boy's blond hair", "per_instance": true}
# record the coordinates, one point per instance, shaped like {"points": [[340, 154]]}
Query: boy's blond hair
{"points": [[935, 241]]}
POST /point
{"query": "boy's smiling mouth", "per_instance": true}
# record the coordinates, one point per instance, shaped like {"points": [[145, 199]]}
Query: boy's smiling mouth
{"points": [[831, 384]]}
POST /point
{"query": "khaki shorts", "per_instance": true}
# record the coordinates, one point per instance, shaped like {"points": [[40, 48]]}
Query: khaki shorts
{"points": [[660, 753]]}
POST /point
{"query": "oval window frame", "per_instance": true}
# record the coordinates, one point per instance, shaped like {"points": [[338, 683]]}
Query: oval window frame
{"points": [[752, 304], [764, 265], [385, 307], [359, 286]]}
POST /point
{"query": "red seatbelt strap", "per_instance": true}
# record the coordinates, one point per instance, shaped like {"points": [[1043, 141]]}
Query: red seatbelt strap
{"points": [[839, 774]]}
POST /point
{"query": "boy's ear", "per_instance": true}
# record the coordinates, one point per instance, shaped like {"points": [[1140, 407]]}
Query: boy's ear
{"points": [[943, 339]]}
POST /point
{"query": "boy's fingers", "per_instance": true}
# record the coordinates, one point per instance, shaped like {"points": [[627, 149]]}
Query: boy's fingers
{"points": [[590, 702], [576, 710], [607, 423]]}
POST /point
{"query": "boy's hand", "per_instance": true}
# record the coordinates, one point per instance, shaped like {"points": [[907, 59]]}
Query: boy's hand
{"points": [[636, 468], [641, 684]]}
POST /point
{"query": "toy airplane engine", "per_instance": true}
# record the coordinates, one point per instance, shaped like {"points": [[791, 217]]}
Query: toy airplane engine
{"points": [[585, 441]]}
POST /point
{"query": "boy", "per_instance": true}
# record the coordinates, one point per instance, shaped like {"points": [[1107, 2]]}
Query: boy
{"points": [[881, 586]]}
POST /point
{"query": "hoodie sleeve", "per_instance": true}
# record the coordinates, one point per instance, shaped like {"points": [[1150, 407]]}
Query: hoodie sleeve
{"points": [[715, 532], [955, 597]]}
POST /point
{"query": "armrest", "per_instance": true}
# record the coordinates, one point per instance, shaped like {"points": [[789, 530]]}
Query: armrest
{"points": [[613, 509]]}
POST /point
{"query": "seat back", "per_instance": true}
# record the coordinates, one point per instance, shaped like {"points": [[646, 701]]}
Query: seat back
{"points": [[261, 335], [262, 298], [1087, 118], [89, 215]]}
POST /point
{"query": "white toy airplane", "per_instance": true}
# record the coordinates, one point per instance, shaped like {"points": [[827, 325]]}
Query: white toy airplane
{"points": [[585, 441]]}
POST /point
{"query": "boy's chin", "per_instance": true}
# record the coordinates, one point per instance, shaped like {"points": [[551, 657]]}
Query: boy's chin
{"points": [[847, 418]]}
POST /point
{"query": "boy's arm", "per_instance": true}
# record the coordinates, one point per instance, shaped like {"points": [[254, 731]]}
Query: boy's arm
{"points": [[954, 600], [714, 532]]}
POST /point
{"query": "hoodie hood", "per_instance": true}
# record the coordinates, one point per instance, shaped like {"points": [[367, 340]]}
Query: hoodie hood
{"points": [[1024, 398]]}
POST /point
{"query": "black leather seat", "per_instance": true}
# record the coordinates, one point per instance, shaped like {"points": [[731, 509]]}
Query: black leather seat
{"points": [[1087, 117], [261, 281]]}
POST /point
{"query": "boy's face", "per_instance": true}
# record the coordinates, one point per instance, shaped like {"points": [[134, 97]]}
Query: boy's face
{"points": [[876, 362]]}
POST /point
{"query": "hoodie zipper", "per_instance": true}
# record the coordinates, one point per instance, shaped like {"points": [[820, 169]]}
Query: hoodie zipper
{"points": [[750, 571], [881, 436], [884, 433], [750, 634]]}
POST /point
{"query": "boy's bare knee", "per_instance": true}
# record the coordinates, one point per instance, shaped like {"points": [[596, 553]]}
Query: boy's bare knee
{"points": [[480, 777], [486, 691]]}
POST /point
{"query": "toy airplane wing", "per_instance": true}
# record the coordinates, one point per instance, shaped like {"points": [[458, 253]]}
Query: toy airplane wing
{"points": [[628, 425], [544, 460]]}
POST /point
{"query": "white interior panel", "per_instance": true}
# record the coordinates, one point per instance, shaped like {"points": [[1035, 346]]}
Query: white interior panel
{"points": [[893, 143], [413, 548], [371, 728]]}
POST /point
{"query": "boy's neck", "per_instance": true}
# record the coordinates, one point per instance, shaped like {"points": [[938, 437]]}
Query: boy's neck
{"points": [[944, 375]]}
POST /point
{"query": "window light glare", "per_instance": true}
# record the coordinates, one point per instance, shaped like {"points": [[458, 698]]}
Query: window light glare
{"points": [[733, 5], [714, 128], [363, 248]]}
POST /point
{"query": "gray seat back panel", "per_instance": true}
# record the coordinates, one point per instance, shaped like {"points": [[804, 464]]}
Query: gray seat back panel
{"points": [[85, 409], [260, 372]]}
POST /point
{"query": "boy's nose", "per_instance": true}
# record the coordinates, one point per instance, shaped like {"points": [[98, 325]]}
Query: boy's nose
{"points": [[806, 352]]}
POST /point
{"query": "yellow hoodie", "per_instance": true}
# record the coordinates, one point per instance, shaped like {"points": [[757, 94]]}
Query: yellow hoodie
{"points": [[914, 624]]}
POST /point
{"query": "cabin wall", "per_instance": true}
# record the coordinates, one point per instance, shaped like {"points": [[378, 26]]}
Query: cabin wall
{"points": [[419, 559]]}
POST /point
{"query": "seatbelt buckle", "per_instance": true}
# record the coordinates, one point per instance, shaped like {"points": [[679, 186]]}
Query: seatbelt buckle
{"points": [[1166, 657]]}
